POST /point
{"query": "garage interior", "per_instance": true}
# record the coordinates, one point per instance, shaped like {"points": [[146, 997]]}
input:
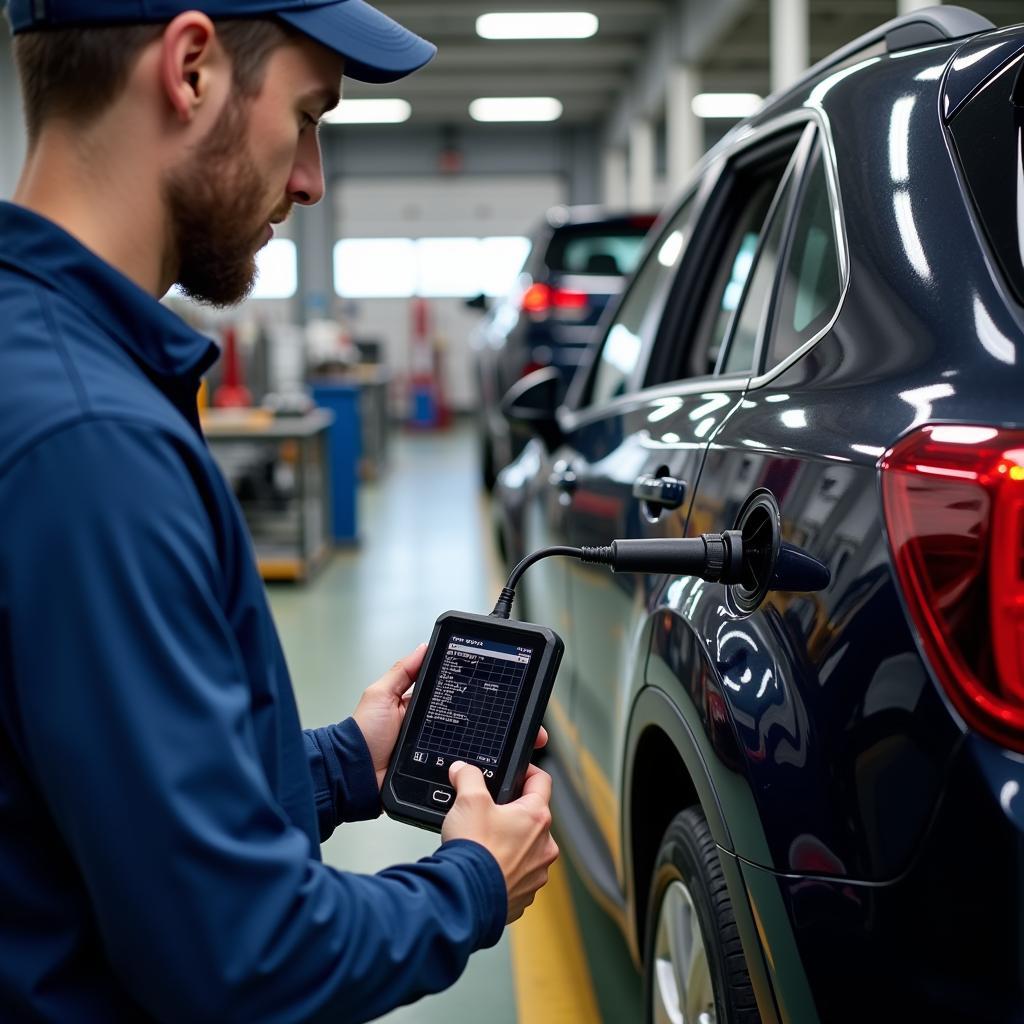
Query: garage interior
{"points": [[363, 303]]}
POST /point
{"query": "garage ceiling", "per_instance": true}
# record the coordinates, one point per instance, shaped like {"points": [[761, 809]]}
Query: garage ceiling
{"points": [[590, 75], [585, 74]]}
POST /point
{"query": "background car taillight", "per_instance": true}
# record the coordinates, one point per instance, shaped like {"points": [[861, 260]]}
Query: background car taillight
{"points": [[953, 498], [541, 299]]}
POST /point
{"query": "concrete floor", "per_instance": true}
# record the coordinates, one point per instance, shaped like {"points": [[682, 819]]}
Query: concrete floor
{"points": [[425, 548]]}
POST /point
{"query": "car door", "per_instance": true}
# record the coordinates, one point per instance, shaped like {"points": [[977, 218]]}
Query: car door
{"points": [[636, 441]]}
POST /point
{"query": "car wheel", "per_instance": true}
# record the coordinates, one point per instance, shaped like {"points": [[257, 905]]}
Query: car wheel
{"points": [[695, 972]]}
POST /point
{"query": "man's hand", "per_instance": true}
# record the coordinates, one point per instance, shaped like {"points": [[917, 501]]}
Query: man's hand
{"points": [[518, 834], [382, 707]]}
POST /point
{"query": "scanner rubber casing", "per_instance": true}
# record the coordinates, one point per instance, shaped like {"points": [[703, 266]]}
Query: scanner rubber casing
{"points": [[510, 784]]}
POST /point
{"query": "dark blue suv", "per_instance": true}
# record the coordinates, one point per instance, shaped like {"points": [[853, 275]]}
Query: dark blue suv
{"points": [[807, 806]]}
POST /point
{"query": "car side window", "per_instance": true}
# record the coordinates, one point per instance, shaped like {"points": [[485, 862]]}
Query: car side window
{"points": [[751, 314], [749, 201], [812, 279], [638, 316], [711, 285]]}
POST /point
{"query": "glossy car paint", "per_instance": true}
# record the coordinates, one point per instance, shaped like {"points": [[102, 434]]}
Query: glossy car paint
{"points": [[872, 845]]}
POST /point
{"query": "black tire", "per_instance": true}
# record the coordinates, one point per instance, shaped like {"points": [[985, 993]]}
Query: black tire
{"points": [[688, 869]]}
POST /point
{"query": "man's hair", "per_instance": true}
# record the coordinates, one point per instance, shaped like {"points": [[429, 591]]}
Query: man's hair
{"points": [[77, 73]]}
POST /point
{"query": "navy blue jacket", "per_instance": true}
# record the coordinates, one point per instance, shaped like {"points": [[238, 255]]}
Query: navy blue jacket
{"points": [[160, 808]]}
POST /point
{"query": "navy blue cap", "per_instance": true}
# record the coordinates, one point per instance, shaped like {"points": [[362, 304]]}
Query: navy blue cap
{"points": [[375, 48]]}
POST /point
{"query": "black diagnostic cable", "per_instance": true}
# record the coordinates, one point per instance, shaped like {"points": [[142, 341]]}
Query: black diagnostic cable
{"points": [[715, 557]]}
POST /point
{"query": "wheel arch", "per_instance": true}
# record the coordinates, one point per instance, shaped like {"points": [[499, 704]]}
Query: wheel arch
{"points": [[665, 774]]}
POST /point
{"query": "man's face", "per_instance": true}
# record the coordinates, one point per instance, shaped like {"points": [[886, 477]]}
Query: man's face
{"points": [[261, 157]]}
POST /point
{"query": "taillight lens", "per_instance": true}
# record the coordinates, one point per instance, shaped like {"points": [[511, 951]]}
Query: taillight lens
{"points": [[541, 299], [954, 508], [537, 298]]}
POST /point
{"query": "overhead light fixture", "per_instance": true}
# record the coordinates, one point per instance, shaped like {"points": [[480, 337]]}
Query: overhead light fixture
{"points": [[733, 105], [369, 112], [538, 25], [515, 108]]}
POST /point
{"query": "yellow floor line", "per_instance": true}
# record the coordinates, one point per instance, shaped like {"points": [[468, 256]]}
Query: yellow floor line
{"points": [[549, 968]]}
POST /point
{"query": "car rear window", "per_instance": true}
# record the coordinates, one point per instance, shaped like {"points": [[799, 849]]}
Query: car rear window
{"points": [[987, 132], [598, 249]]}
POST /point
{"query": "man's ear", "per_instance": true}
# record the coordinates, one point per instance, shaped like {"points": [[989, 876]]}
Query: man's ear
{"points": [[190, 58]]}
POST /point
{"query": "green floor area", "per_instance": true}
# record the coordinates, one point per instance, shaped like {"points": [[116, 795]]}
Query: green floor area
{"points": [[423, 549]]}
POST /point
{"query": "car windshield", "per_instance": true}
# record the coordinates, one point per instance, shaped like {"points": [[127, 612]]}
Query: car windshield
{"points": [[599, 249]]}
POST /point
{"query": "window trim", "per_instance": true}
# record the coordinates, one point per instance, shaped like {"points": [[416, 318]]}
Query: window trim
{"points": [[823, 143], [793, 175], [701, 186]]}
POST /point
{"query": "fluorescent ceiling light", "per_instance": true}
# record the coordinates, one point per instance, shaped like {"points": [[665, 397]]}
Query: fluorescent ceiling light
{"points": [[369, 112], [725, 104], [537, 25], [515, 108]]}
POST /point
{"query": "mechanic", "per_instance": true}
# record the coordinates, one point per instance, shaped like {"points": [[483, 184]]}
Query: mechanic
{"points": [[160, 809]]}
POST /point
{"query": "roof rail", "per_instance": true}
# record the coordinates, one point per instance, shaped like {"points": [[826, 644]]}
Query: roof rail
{"points": [[919, 28]]}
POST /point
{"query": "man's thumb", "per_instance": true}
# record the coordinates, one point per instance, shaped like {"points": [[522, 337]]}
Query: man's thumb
{"points": [[466, 778]]}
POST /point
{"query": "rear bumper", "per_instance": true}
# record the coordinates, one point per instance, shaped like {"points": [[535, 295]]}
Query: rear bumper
{"points": [[944, 942]]}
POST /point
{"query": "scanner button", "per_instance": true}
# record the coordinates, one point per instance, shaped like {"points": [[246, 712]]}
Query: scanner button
{"points": [[441, 796]]}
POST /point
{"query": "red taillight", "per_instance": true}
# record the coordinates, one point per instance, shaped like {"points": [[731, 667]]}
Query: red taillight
{"points": [[537, 298], [954, 509], [566, 299], [542, 299]]}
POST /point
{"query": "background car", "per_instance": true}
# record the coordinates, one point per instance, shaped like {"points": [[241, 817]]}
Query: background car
{"points": [[578, 259], [807, 806]]}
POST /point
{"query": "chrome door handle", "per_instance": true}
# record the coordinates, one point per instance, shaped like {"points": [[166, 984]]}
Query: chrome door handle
{"points": [[665, 491], [564, 480]]}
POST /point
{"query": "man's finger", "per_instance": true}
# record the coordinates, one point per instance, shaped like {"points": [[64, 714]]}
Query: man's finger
{"points": [[537, 783], [403, 673], [542, 739]]}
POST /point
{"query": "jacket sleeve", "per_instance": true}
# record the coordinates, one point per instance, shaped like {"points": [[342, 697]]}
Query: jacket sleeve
{"points": [[344, 781], [135, 723]]}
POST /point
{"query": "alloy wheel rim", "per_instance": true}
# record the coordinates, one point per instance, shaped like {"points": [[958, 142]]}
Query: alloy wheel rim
{"points": [[683, 991]]}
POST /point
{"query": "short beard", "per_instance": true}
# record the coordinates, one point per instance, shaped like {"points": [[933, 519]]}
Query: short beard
{"points": [[214, 206]]}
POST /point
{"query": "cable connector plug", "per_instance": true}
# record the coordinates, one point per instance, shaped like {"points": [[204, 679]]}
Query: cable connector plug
{"points": [[715, 557], [503, 606]]}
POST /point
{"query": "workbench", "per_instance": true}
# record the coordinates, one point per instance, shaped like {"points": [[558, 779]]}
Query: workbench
{"points": [[279, 469]]}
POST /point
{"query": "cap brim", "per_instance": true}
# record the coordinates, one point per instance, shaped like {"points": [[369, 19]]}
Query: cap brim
{"points": [[375, 47]]}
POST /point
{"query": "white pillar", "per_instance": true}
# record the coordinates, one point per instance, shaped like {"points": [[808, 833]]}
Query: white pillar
{"points": [[12, 127], [685, 132], [907, 6], [641, 164], [615, 184], [790, 41]]}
